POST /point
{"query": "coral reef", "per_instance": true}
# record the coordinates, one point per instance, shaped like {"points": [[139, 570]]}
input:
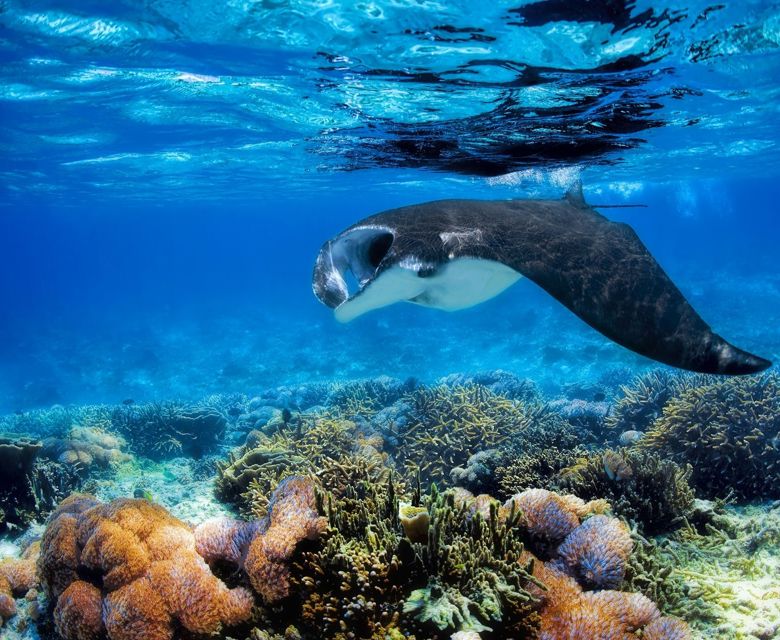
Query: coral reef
{"points": [[292, 518], [164, 430], [537, 468], [443, 429], [641, 487], [596, 552], [30, 487], [334, 449], [17, 577], [728, 432], [86, 446], [502, 383], [644, 399], [132, 569]]}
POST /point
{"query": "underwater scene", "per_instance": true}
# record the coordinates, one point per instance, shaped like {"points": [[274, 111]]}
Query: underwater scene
{"points": [[389, 320]]}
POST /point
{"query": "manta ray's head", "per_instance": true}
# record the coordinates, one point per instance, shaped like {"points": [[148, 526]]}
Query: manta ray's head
{"points": [[347, 266]]}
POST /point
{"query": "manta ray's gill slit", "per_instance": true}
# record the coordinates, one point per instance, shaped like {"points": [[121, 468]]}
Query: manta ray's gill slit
{"points": [[378, 248]]}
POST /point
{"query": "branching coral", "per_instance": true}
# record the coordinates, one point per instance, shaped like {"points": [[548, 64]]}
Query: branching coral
{"points": [[728, 432], [535, 469], [133, 568], [169, 429], [330, 448], [445, 426], [641, 487], [644, 399], [30, 486]]}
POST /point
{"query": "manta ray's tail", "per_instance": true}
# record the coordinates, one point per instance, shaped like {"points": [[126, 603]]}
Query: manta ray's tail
{"points": [[723, 357]]}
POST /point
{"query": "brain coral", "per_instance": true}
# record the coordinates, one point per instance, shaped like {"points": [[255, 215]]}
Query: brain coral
{"points": [[145, 577]]}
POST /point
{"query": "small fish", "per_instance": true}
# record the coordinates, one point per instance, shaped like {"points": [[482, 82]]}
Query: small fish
{"points": [[616, 467], [599, 396], [128, 401], [144, 494], [627, 438]]}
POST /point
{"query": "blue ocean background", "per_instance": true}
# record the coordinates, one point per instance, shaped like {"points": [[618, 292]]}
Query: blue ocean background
{"points": [[170, 170]]}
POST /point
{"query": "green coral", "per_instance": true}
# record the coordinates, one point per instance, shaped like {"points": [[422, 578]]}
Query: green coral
{"points": [[470, 574], [536, 469], [729, 432], [323, 445], [449, 424], [644, 399], [652, 492], [442, 608]]}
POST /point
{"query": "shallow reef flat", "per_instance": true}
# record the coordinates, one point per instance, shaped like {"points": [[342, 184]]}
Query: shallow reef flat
{"points": [[476, 507]]}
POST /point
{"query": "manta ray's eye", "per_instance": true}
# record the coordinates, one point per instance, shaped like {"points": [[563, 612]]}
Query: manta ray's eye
{"points": [[378, 248]]}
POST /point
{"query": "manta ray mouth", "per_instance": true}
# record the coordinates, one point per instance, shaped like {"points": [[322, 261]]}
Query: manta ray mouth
{"points": [[347, 264]]}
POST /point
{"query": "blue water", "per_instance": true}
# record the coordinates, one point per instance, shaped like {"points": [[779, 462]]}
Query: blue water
{"points": [[170, 169]]}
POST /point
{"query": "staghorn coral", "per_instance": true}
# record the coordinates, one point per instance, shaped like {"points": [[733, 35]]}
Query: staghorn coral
{"points": [[725, 430], [651, 571], [333, 449], [536, 469], [165, 430], [144, 564], [596, 552], [503, 383], [443, 427], [653, 493], [644, 399], [366, 397]]}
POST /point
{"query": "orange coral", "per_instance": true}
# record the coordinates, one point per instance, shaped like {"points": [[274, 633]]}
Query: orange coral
{"points": [[569, 612], [292, 518], [225, 539], [17, 577], [149, 576], [78, 613], [667, 628], [546, 516]]}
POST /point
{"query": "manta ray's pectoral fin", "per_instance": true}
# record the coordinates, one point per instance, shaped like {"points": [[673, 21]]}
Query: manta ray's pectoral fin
{"points": [[602, 272]]}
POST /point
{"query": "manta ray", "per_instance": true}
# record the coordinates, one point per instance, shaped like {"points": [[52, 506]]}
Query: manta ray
{"points": [[454, 254]]}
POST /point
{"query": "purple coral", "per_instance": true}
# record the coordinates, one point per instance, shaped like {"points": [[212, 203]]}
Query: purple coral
{"points": [[596, 552], [544, 514]]}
